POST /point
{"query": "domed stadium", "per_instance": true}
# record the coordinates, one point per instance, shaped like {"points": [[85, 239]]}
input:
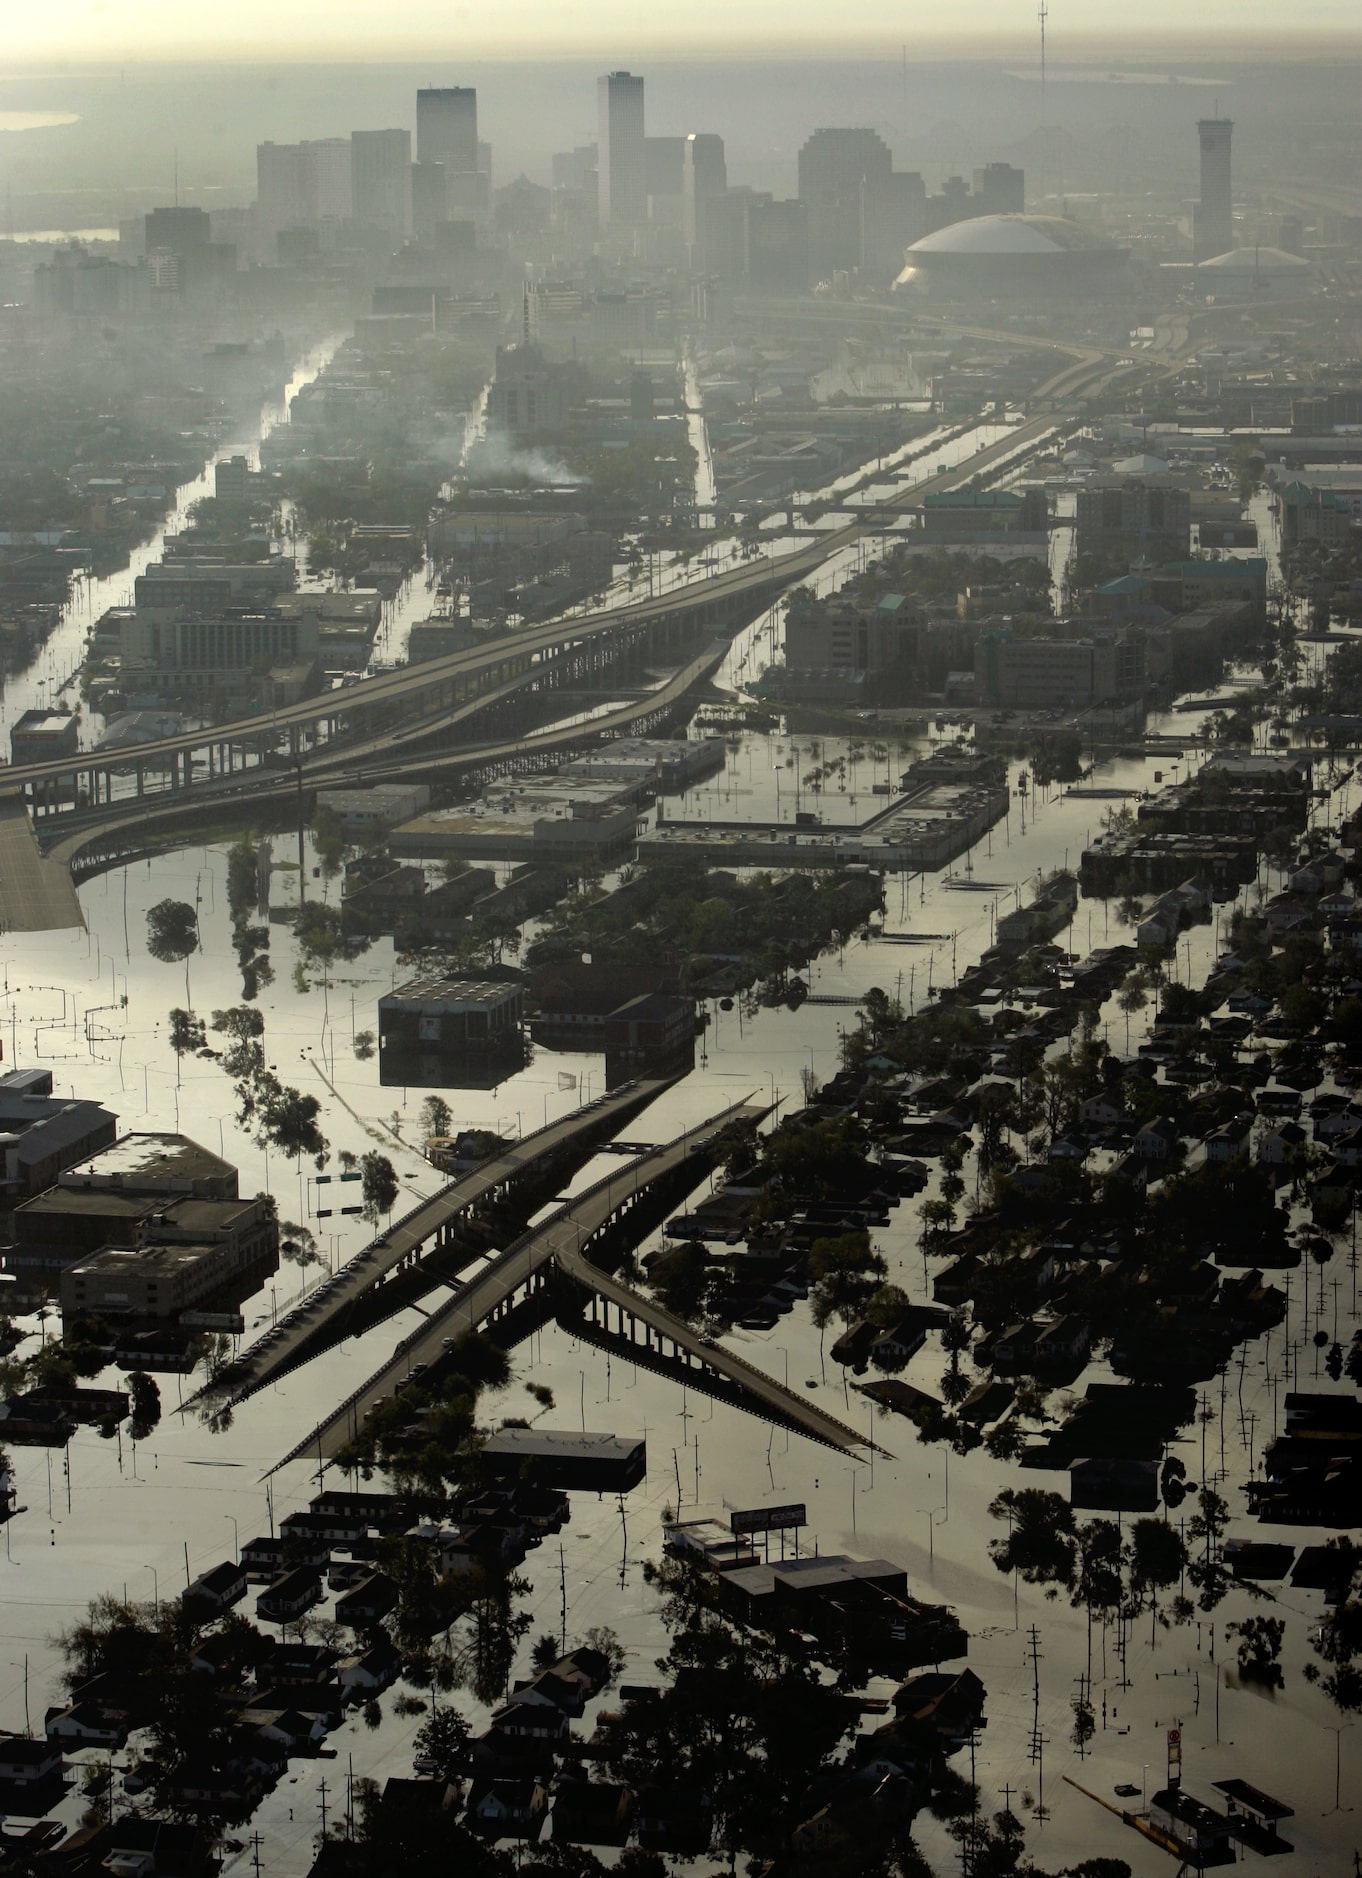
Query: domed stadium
{"points": [[1248, 273], [1017, 254]]}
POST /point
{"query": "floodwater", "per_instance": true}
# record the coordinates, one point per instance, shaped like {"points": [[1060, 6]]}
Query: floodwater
{"points": [[108, 1517], [63, 1006]]}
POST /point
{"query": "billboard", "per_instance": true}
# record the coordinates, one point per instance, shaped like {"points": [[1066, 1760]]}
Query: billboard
{"points": [[768, 1518]]}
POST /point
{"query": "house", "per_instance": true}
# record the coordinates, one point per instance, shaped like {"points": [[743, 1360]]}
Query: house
{"points": [[369, 1602], [986, 1402], [29, 1770], [370, 1671], [1156, 1140], [900, 1343], [590, 1812], [1114, 1485], [263, 1559], [87, 1725], [218, 1590], [1250, 1002], [1063, 1342], [1230, 1142], [1347, 1148], [295, 1731], [1282, 1146], [157, 1848], [1100, 1112], [1065, 1148], [1014, 1349], [509, 1807], [288, 1597], [674, 1818], [952, 1704]]}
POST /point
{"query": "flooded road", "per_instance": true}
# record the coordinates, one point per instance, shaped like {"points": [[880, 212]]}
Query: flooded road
{"points": [[51, 678]]}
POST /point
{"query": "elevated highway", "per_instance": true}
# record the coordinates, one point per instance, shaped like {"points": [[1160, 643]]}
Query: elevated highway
{"points": [[423, 707], [555, 1253], [327, 1314]]}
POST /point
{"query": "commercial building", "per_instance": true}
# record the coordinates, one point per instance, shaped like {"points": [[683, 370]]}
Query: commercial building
{"points": [[44, 736], [531, 394], [380, 181], [843, 178], [557, 819], [157, 1165], [449, 1016], [447, 126], [148, 1282], [1039, 673], [41, 1134], [1213, 217], [704, 175], [598, 1463], [984, 514], [668, 764], [1000, 189], [170, 657], [1137, 520], [1253, 274], [376, 808], [622, 155]]}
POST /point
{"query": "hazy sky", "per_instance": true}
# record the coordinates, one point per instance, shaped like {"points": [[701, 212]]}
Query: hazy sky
{"points": [[330, 29]]}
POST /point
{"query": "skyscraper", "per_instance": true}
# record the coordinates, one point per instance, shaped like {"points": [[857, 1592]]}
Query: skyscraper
{"points": [[380, 177], [844, 182], [1213, 220], [622, 154], [447, 126], [704, 175]]}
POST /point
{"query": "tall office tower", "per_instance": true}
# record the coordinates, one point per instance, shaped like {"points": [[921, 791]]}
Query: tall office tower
{"points": [[279, 189], [1213, 221], [327, 180], [380, 180], [622, 154], [844, 182], [704, 175], [429, 200], [447, 126], [999, 189]]}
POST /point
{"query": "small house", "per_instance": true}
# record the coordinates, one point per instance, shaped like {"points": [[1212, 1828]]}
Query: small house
{"points": [[370, 1671], [288, 1597], [217, 1590]]}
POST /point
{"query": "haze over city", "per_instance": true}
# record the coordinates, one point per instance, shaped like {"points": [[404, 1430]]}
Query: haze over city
{"points": [[680, 895]]}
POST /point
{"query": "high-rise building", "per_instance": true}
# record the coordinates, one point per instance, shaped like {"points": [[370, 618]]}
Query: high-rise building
{"points": [[777, 246], [622, 151], [844, 181], [704, 175], [300, 185], [999, 189], [380, 180], [1213, 221], [429, 200], [447, 126]]}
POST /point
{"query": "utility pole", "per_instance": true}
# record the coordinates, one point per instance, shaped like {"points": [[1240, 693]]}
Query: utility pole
{"points": [[1044, 15], [1034, 1657], [322, 1807]]}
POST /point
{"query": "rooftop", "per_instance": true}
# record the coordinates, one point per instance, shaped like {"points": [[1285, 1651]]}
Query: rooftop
{"points": [[160, 1161], [1013, 234]]}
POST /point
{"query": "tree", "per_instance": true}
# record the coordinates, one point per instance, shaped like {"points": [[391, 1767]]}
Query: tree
{"points": [[443, 1741], [437, 1118], [172, 934], [379, 1187], [546, 1650], [1260, 1646], [1040, 1539], [288, 1120], [187, 1032], [146, 1404]]}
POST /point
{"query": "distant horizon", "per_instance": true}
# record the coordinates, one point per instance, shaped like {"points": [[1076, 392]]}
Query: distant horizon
{"points": [[1065, 49]]}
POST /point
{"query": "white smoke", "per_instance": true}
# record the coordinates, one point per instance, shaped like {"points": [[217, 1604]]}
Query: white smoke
{"points": [[496, 459]]}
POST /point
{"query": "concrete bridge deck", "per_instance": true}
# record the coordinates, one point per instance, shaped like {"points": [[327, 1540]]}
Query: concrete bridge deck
{"points": [[558, 1245], [318, 1320]]}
